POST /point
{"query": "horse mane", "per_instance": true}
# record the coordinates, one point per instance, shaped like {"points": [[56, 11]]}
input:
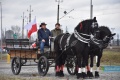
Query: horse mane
{"points": [[83, 25], [104, 31]]}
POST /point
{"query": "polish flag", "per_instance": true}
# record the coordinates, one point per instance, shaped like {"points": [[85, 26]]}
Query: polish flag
{"points": [[31, 27]]}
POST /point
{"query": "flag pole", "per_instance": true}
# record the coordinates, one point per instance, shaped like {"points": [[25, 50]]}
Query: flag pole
{"points": [[1, 29], [37, 31]]}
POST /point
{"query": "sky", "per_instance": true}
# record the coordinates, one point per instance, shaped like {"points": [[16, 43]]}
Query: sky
{"points": [[107, 13]]}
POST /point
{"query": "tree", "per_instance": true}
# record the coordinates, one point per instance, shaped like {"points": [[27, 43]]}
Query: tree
{"points": [[16, 29], [9, 34], [3, 36]]}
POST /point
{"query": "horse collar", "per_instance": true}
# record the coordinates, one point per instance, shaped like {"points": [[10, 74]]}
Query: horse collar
{"points": [[80, 38]]}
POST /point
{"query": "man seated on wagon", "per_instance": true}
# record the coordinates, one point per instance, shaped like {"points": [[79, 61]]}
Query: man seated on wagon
{"points": [[43, 35], [55, 32]]}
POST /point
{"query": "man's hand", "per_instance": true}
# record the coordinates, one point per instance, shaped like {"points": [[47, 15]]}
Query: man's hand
{"points": [[49, 37], [43, 40]]}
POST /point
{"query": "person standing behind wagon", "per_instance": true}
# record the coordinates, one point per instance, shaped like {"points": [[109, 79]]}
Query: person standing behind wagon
{"points": [[43, 35]]}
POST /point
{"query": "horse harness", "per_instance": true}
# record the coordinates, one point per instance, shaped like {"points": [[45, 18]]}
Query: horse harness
{"points": [[78, 36]]}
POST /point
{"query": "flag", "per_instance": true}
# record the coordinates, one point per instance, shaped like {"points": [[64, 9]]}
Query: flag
{"points": [[31, 27]]}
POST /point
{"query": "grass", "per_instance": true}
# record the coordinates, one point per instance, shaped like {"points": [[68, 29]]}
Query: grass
{"points": [[110, 57]]}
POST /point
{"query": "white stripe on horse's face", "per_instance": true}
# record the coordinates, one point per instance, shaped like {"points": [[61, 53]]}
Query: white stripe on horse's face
{"points": [[94, 25], [94, 28]]}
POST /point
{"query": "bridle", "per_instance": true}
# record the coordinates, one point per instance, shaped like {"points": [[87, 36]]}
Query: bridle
{"points": [[101, 43], [86, 38]]}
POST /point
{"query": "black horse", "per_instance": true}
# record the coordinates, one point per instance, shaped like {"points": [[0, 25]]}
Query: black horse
{"points": [[76, 44], [99, 42]]}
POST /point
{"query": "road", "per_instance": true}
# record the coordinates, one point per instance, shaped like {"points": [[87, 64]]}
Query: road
{"points": [[32, 72]]}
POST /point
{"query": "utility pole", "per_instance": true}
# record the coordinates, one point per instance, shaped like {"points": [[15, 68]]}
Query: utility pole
{"points": [[27, 20], [113, 36], [5, 33], [1, 28], [30, 13], [91, 10], [67, 30], [118, 40], [23, 26], [59, 1]]}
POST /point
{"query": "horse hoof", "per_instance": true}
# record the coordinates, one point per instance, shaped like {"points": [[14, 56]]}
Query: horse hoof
{"points": [[76, 72], [90, 74], [57, 74], [84, 75], [79, 75], [61, 74], [97, 74]]}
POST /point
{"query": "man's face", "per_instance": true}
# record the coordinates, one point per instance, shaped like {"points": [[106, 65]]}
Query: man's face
{"points": [[57, 27], [43, 26]]}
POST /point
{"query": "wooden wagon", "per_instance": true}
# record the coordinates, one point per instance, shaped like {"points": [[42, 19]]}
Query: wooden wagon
{"points": [[21, 51]]}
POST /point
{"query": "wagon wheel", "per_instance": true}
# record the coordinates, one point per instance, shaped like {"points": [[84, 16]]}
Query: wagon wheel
{"points": [[43, 66], [71, 66], [16, 65]]}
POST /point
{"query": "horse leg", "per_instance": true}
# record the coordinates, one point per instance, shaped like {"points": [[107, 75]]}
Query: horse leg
{"points": [[91, 66], [88, 67], [79, 74], [57, 61], [97, 70], [62, 62], [84, 62], [57, 66]]}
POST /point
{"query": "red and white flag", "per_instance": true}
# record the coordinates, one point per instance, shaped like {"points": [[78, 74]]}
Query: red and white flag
{"points": [[31, 27]]}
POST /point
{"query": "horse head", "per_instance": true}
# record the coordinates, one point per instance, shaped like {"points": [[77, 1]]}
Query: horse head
{"points": [[89, 26], [105, 35]]}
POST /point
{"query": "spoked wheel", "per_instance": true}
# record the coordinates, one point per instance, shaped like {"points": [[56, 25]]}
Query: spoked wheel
{"points": [[43, 66], [71, 66], [16, 65]]}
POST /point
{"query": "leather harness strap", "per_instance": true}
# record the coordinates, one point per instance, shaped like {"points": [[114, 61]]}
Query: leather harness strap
{"points": [[61, 41]]}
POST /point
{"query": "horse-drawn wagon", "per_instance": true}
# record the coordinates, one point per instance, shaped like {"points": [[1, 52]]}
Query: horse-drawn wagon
{"points": [[21, 51]]}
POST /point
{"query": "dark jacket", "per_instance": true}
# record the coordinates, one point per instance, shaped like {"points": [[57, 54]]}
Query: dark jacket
{"points": [[56, 32], [44, 34]]}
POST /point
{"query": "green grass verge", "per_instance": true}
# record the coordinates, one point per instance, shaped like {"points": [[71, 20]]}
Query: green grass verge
{"points": [[110, 57]]}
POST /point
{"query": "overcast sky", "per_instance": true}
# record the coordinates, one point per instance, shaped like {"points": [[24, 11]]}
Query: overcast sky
{"points": [[107, 12]]}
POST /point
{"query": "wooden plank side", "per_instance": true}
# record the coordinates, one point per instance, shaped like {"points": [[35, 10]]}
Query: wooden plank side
{"points": [[23, 54]]}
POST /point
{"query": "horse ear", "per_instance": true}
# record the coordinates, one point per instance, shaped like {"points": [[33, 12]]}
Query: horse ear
{"points": [[113, 34], [94, 19]]}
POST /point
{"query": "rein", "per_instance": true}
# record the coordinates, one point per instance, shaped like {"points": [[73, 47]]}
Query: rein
{"points": [[99, 43]]}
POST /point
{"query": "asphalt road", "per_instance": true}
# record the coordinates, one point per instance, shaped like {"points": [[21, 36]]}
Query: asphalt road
{"points": [[32, 72]]}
